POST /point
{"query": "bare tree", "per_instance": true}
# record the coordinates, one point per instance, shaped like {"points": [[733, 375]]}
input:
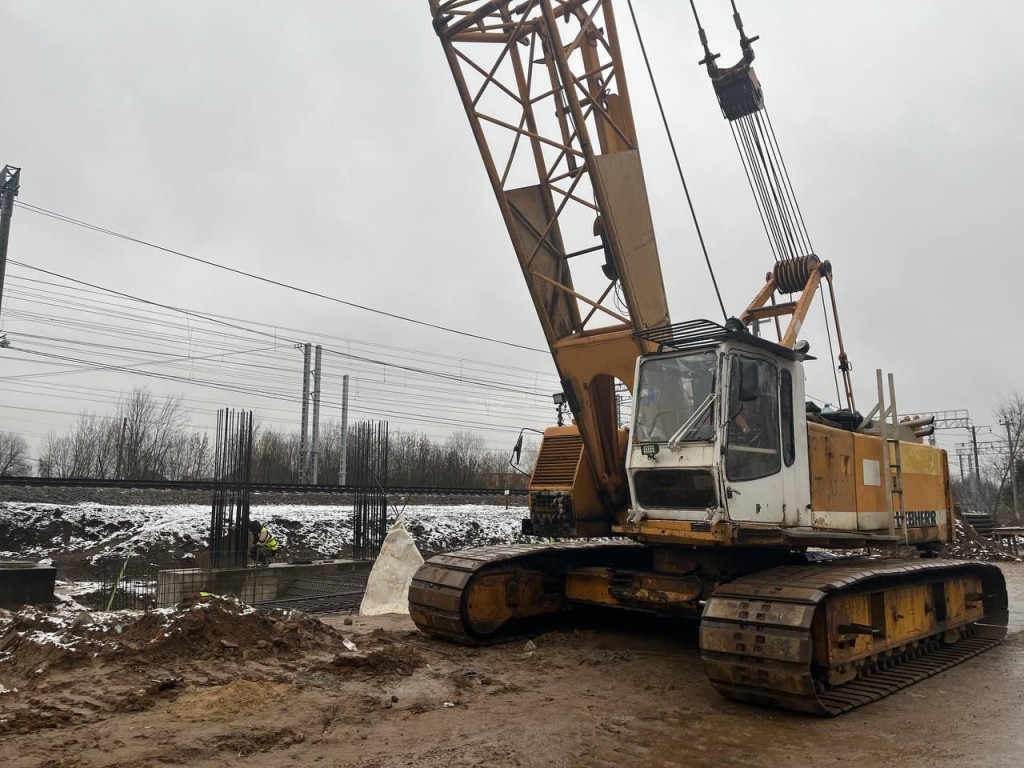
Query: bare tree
{"points": [[13, 454], [193, 457], [146, 439], [88, 449], [1010, 413], [152, 435], [275, 456]]}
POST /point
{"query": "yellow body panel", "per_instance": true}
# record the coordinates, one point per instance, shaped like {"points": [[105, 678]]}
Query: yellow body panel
{"points": [[562, 470], [924, 477], [901, 615], [848, 486], [833, 485], [870, 491]]}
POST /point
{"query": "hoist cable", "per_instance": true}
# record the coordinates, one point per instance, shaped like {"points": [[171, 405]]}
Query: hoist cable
{"points": [[796, 202], [778, 226], [757, 200], [675, 156], [774, 185], [762, 183], [786, 185], [831, 352]]}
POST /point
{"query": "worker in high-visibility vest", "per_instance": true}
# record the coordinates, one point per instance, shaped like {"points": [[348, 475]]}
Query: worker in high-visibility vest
{"points": [[262, 544]]}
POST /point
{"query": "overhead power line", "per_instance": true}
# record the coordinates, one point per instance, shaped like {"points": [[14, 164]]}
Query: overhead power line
{"points": [[460, 378], [43, 292], [270, 281]]}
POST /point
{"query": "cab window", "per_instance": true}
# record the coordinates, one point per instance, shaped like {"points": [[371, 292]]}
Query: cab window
{"points": [[786, 403], [675, 391], [752, 450]]}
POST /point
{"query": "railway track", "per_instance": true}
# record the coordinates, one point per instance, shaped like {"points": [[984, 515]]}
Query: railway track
{"points": [[210, 485]]}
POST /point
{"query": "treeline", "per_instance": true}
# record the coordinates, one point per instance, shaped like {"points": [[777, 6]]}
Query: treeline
{"points": [[149, 438]]}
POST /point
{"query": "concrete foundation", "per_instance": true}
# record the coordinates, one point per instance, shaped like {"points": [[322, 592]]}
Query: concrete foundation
{"points": [[25, 582], [250, 584]]}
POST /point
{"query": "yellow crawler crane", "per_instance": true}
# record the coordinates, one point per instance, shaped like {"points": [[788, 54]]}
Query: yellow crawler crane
{"points": [[723, 481]]}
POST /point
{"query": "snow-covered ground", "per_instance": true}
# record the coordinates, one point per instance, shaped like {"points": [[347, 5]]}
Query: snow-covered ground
{"points": [[99, 532]]}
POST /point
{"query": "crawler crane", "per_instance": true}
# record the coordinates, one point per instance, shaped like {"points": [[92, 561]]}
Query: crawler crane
{"points": [[708, 504]]}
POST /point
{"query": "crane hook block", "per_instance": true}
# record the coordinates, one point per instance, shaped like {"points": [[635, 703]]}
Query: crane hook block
{"points": [[738, 90]]}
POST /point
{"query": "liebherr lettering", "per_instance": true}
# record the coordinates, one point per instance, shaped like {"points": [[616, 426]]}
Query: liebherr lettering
{"points": [[924, 519]]}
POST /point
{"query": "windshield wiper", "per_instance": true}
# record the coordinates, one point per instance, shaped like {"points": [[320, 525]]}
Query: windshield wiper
{"points": [[677, 436]]}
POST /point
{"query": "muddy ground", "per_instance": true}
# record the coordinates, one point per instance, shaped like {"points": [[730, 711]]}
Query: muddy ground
{"points": [[287, 691]]}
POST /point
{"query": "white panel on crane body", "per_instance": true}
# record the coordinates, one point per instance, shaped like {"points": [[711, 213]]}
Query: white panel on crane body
{"points": [[626, 214], [872, 473]]}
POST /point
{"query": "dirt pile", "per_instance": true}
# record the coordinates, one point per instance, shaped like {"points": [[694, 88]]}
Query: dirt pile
{"points": [[66, 666], [197, 628], [972, 546], [208, 658]]}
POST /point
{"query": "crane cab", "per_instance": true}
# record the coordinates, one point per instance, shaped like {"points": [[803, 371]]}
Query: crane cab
{"points": [[719, 433], [721, 449]]}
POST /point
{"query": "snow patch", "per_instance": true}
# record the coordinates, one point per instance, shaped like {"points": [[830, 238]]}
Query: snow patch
{"points": [[110, 532]]}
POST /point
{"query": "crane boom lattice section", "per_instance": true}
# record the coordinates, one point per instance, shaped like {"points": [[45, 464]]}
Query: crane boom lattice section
{"points": [[545, 93], [543, 87]]}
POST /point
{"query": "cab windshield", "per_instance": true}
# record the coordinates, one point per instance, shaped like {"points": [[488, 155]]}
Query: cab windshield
{"points": [[671, 390]]}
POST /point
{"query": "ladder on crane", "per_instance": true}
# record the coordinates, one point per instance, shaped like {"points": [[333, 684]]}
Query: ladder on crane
{"points": [[892, 459]]}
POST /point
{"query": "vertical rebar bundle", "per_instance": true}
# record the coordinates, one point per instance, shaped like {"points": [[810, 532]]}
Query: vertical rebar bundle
{"points": [[369, 473], [229, 516]]}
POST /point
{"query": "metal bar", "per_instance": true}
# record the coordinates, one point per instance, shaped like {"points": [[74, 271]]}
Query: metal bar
{"points": [[489, 76], [581, 297], [600, 301], [802, 306], [898, 455], [530, 134], [886, 471], [844, 361]]}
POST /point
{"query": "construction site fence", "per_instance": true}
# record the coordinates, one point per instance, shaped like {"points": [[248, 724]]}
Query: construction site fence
{"points": [[139, 583]]}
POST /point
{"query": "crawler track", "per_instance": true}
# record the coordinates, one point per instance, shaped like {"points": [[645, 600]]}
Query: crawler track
{"points": [[762, 636], [440, 589]]}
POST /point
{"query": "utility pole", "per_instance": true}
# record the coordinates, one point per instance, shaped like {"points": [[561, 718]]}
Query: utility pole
{"points": [[10, 180], [343, 448], [315, 451], [977, 467], [303, 445]]}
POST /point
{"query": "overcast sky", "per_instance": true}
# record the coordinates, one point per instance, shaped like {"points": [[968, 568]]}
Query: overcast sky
{"points": [[323, 144]]}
